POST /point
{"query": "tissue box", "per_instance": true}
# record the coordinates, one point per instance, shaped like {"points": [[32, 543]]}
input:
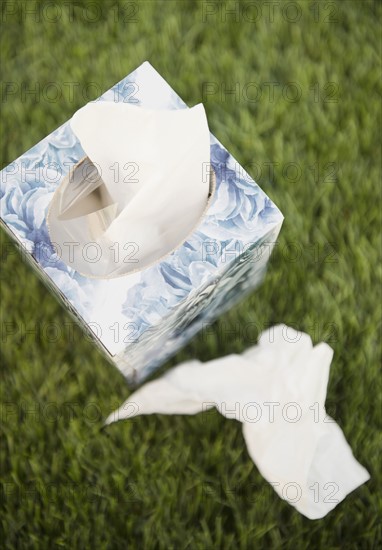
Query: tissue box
{"points": [[139, 320]]}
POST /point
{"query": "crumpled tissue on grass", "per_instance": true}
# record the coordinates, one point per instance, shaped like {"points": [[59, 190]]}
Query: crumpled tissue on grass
{"points": [[277, 389]]}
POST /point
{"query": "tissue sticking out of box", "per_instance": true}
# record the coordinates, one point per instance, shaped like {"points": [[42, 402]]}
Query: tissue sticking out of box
{"points": [[140, 192]]}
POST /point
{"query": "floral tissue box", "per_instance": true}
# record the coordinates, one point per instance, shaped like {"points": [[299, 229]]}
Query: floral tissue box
{"points": [[142, 317]]}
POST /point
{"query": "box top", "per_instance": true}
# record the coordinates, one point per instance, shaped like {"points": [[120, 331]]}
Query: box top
{"points": [[119, 310]]}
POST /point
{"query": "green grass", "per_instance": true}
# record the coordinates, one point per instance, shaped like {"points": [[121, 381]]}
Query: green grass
{"points": [[187, 482]]}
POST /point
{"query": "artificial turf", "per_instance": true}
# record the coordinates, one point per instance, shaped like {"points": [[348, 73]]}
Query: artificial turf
{"points": [[188, 482]]}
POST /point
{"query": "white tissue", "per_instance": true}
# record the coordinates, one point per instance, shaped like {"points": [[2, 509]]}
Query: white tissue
{"points": [[139, 194], [277, 389]]}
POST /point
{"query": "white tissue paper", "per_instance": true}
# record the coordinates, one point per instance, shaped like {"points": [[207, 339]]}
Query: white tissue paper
{"points": [[139, 193], [277, 389]]}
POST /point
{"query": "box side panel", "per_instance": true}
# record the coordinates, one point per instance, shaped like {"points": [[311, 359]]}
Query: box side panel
{"points": [[237, 278], [49, 283]]}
